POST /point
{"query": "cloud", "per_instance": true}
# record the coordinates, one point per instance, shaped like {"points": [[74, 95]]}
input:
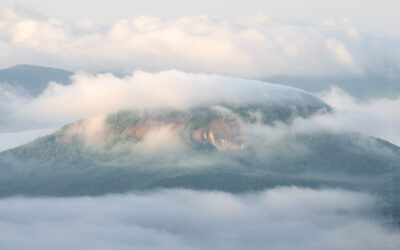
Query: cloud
{"points": [[253, 46], [281, 218], [104, 93], [91, 130], [375, 117], [163, 138], [378, 117], [97, 95], [94, 132], [340, 51]]}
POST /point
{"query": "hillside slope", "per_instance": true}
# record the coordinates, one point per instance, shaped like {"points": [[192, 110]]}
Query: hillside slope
{"points": [[223, 147], [33, 79]]}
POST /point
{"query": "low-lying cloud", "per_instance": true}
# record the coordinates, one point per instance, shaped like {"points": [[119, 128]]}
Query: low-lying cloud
{"points": [[281, 218], [375, 117], [98, 95], [253, 46], [378, 117], [104, 93]]}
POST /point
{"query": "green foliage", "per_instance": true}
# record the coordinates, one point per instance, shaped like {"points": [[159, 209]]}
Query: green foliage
{"points": [[271, 113], [348, 160], [122, 120], [203, 119], [330, 155], [65, 128]]}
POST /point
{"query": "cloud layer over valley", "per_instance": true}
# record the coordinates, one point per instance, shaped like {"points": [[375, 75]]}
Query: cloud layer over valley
{"points": [[281, 218]]}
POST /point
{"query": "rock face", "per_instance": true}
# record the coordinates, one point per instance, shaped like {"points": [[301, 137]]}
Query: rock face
{"points": [[223, 134], [217, 126], [140, 129]]}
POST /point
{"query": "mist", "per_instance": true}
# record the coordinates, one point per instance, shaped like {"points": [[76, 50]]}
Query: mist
{"points": [[102, 94], [281, 218]]}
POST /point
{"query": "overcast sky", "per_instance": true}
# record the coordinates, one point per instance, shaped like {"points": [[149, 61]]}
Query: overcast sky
{"points": [[254, 43], [371, 14]]}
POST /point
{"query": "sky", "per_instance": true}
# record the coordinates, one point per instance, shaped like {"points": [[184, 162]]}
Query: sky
{"points": [[378, 15], [253, 45]]}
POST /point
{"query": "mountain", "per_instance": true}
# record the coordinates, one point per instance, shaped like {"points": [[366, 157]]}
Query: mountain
{"points": [[229, 147], [33, 79]]}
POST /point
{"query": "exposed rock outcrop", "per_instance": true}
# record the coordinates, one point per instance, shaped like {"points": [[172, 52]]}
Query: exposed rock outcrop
{"points": [[223, 134]]}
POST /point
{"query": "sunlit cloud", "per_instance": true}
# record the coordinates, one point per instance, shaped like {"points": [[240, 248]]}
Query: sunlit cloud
{"points": [[253, 46]]}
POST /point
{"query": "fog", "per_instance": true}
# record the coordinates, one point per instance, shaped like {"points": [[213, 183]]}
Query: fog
{"points": [[281, 218], [375, 117]]}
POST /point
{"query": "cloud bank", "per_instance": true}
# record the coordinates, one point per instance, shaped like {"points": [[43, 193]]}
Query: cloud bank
{"points": [[104, 93], [378, 118], [375, 117], [97, 95], [252, 46], [282, 218], [175, 89]]}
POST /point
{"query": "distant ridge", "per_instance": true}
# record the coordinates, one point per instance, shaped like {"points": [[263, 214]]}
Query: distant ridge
{"points": [[360, 86], [33, 79]]}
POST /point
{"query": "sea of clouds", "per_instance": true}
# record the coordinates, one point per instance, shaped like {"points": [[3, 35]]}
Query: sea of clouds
{"points": [[280, 218]]}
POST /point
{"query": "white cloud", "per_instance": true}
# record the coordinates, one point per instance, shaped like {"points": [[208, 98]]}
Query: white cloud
{"points": [[105, 93], [282, 218], [98, 95], [160, 139], [378, 118], [340, 51], [94, 95], [256, 19], [252, 46], [329, 22]]}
